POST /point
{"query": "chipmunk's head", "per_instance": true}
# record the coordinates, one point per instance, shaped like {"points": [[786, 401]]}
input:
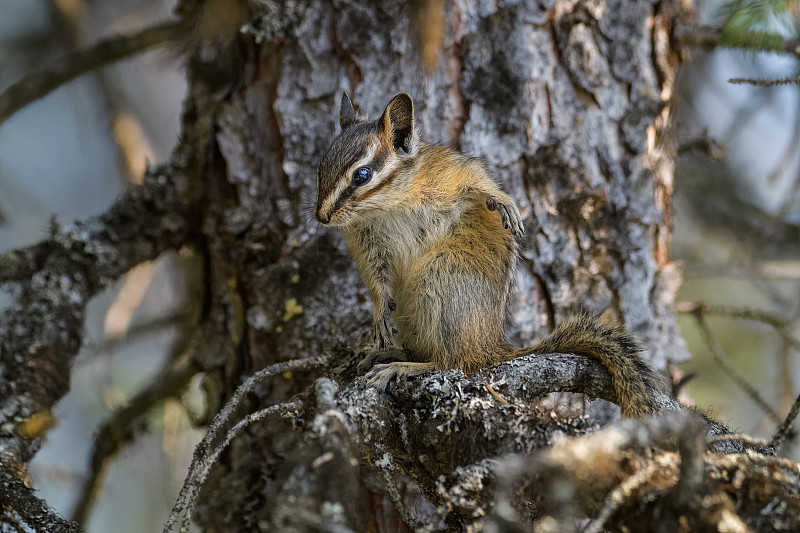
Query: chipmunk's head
{"points": [[356, 173]]}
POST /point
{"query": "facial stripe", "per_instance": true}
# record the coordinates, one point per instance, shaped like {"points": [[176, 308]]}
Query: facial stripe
{"points": [[380, 160], [330, 200], [344, 188], [362, 162], [384, 181], [384, 168], [346, 194], [352, 145]]}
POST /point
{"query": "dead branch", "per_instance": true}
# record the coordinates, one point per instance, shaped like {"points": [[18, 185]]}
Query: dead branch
{"points": [[42, 330], [452, 436], [200, 476], [37, 84], [443, 430], [722, 361], [204, 456], [785, 429], [781, 325], [117, 431], [632, 466], [22, 510], [765, 82]]}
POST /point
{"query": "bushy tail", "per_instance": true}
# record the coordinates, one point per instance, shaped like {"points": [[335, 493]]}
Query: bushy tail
{"points": [[635, 381]]}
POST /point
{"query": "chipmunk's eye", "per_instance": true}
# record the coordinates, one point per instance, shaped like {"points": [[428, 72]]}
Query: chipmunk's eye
{"points": [[362, 175]]}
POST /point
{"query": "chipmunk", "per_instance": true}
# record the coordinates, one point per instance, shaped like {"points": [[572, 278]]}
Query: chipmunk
{"points": [[434, 238]]}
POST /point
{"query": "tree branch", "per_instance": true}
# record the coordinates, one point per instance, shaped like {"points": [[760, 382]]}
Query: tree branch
{"points": [[626, 467], [786, 426], [52, 281], [722, 360], [29, 513], [37, 84], [117, 431], [449, 434], [765, 82], [781, 324], [521, 382], [203, 452]]}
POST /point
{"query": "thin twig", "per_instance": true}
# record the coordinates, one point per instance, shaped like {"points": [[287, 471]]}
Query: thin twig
{"points": [[494, 393], [116, 431], [785, 427], [201, 450], [786, 395], [722, 361], [37, 84], [780, 324], [741, 437], [397, 500], [622, 492], [746, 313], [765, 82], [235, 431]]}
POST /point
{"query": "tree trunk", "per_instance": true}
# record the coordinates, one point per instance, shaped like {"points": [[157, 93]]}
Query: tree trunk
{"points": [[568, 104]]}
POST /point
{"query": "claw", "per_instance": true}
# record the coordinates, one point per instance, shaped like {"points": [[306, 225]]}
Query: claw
{"points": [[368, 361], [381, 357], [509, 214], [512, 219], [384, 329], [381, 375]]}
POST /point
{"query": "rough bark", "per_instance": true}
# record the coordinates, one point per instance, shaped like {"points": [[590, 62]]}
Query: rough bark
{"points": [[567, 102], [53, 280], [41, 332]]}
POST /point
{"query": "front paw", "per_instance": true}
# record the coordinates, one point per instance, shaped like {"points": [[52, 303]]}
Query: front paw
{"points": [[381, 375], [376, 357], [509, 214], [384, 329]]}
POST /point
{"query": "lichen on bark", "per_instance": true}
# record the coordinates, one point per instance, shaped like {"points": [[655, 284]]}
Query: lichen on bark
{"points": [[568, 104]]}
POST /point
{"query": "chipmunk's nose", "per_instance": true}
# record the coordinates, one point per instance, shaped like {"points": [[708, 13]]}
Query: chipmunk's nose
{"points": [[320, 216]]}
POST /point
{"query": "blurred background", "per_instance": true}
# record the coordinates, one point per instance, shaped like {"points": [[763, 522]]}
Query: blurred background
{"points": [[737, 220], [68, 156]]}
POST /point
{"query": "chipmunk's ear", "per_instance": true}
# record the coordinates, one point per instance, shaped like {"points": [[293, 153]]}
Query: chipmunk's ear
{"points": [[397, 124], [348, 115]]}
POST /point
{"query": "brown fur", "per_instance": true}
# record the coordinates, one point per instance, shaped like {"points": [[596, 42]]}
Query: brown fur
{"points": [[429, 234]]}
